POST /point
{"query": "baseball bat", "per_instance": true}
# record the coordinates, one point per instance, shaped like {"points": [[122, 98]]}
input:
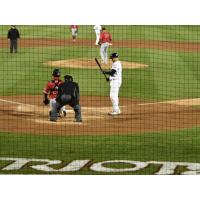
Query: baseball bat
{"points": [[96, 60]]}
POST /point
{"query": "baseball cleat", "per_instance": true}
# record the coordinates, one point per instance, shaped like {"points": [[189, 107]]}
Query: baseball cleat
{"points": [[53, 120], [115, 113], [64, 113], [78, 120]]}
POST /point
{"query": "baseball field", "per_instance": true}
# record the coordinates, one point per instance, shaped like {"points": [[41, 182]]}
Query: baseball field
{"points": [[158, 130]]}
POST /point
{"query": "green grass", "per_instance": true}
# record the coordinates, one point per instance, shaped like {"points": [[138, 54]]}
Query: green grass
{"points": [[177, 146], [162, 33], [170, 75]]}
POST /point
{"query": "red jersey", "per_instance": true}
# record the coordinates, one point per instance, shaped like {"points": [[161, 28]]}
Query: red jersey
{"points": [[105, 37], [51, 88], [74, 26]]}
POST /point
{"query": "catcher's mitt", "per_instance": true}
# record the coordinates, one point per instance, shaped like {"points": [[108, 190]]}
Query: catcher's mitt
{"points": [[46, 101]]}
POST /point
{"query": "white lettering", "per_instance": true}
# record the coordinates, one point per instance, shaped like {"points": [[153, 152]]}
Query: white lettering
{"points": [[75, 165], [99, 167], [18, 163], [166, 168], [193, 169]]}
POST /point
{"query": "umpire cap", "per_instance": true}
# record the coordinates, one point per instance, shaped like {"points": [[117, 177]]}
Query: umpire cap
{"points": [[68, 78], [114, 55]]}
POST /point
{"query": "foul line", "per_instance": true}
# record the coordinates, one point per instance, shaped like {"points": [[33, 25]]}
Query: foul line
{"points": [[14, 102], [140, 104], [144, 104]]}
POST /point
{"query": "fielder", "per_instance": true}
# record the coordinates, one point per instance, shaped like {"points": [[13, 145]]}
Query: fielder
{"points": [[74, 32], [68, 94], [115, 78], [97, 29], [50, 91], [104, 41]]}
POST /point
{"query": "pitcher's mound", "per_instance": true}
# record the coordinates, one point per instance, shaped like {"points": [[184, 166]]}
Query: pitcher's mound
{"points": [[86, 63]]}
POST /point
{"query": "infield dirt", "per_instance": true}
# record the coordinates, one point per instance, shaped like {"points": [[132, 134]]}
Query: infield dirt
{"points": [[26, 114]]}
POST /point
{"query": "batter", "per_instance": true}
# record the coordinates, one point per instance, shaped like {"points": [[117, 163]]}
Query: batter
{"points": [[115, 78]]}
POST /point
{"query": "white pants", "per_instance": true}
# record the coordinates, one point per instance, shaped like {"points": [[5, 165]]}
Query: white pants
{"points": [[52, 101], [74, 32], [104, 52], [97, 38], [114, 94]]}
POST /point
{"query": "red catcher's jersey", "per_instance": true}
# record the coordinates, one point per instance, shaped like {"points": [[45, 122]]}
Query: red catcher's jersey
{"points": [[51, 88], [105, 37]]}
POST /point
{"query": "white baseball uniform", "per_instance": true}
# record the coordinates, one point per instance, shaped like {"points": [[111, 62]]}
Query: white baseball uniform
{"points": [[115, 83], [97, 29]]}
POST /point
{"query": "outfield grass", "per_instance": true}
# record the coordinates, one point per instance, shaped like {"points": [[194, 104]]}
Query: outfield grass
{"points": [[162, 33], [177, 146]]}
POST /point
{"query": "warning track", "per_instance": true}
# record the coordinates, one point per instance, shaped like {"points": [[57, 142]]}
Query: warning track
{"points": [[163, 45]]}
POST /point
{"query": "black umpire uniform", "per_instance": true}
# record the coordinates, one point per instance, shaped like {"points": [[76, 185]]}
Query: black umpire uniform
{"points": [[68, 94], [13, 36]]}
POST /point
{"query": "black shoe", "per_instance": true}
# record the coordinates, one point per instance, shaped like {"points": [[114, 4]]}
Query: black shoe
{"points": [[53, 120], [78, 120]]}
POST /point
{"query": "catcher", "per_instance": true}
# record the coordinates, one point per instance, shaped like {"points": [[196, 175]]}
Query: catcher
{"points": [[68, 94], [50, 92]]}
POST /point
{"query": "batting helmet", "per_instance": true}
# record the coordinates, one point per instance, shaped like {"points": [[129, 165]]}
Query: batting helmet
{"points": [[56, 73], [68, 78], [114, 55]]}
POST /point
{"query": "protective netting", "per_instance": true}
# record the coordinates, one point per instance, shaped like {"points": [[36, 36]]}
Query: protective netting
{"points": [[133, 111]]}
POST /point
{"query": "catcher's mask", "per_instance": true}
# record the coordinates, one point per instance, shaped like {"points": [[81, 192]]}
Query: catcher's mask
{"points": [[68, 78], [114, 55], [56, 73]]}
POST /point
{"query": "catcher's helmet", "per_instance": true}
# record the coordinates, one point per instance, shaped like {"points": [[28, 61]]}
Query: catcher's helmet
{"points": [[68, 78], [56, 73], [114, 55]]}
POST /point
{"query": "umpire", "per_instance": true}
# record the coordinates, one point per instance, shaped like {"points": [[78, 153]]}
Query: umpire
{"points": [[68, 94], [13, 36]]}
